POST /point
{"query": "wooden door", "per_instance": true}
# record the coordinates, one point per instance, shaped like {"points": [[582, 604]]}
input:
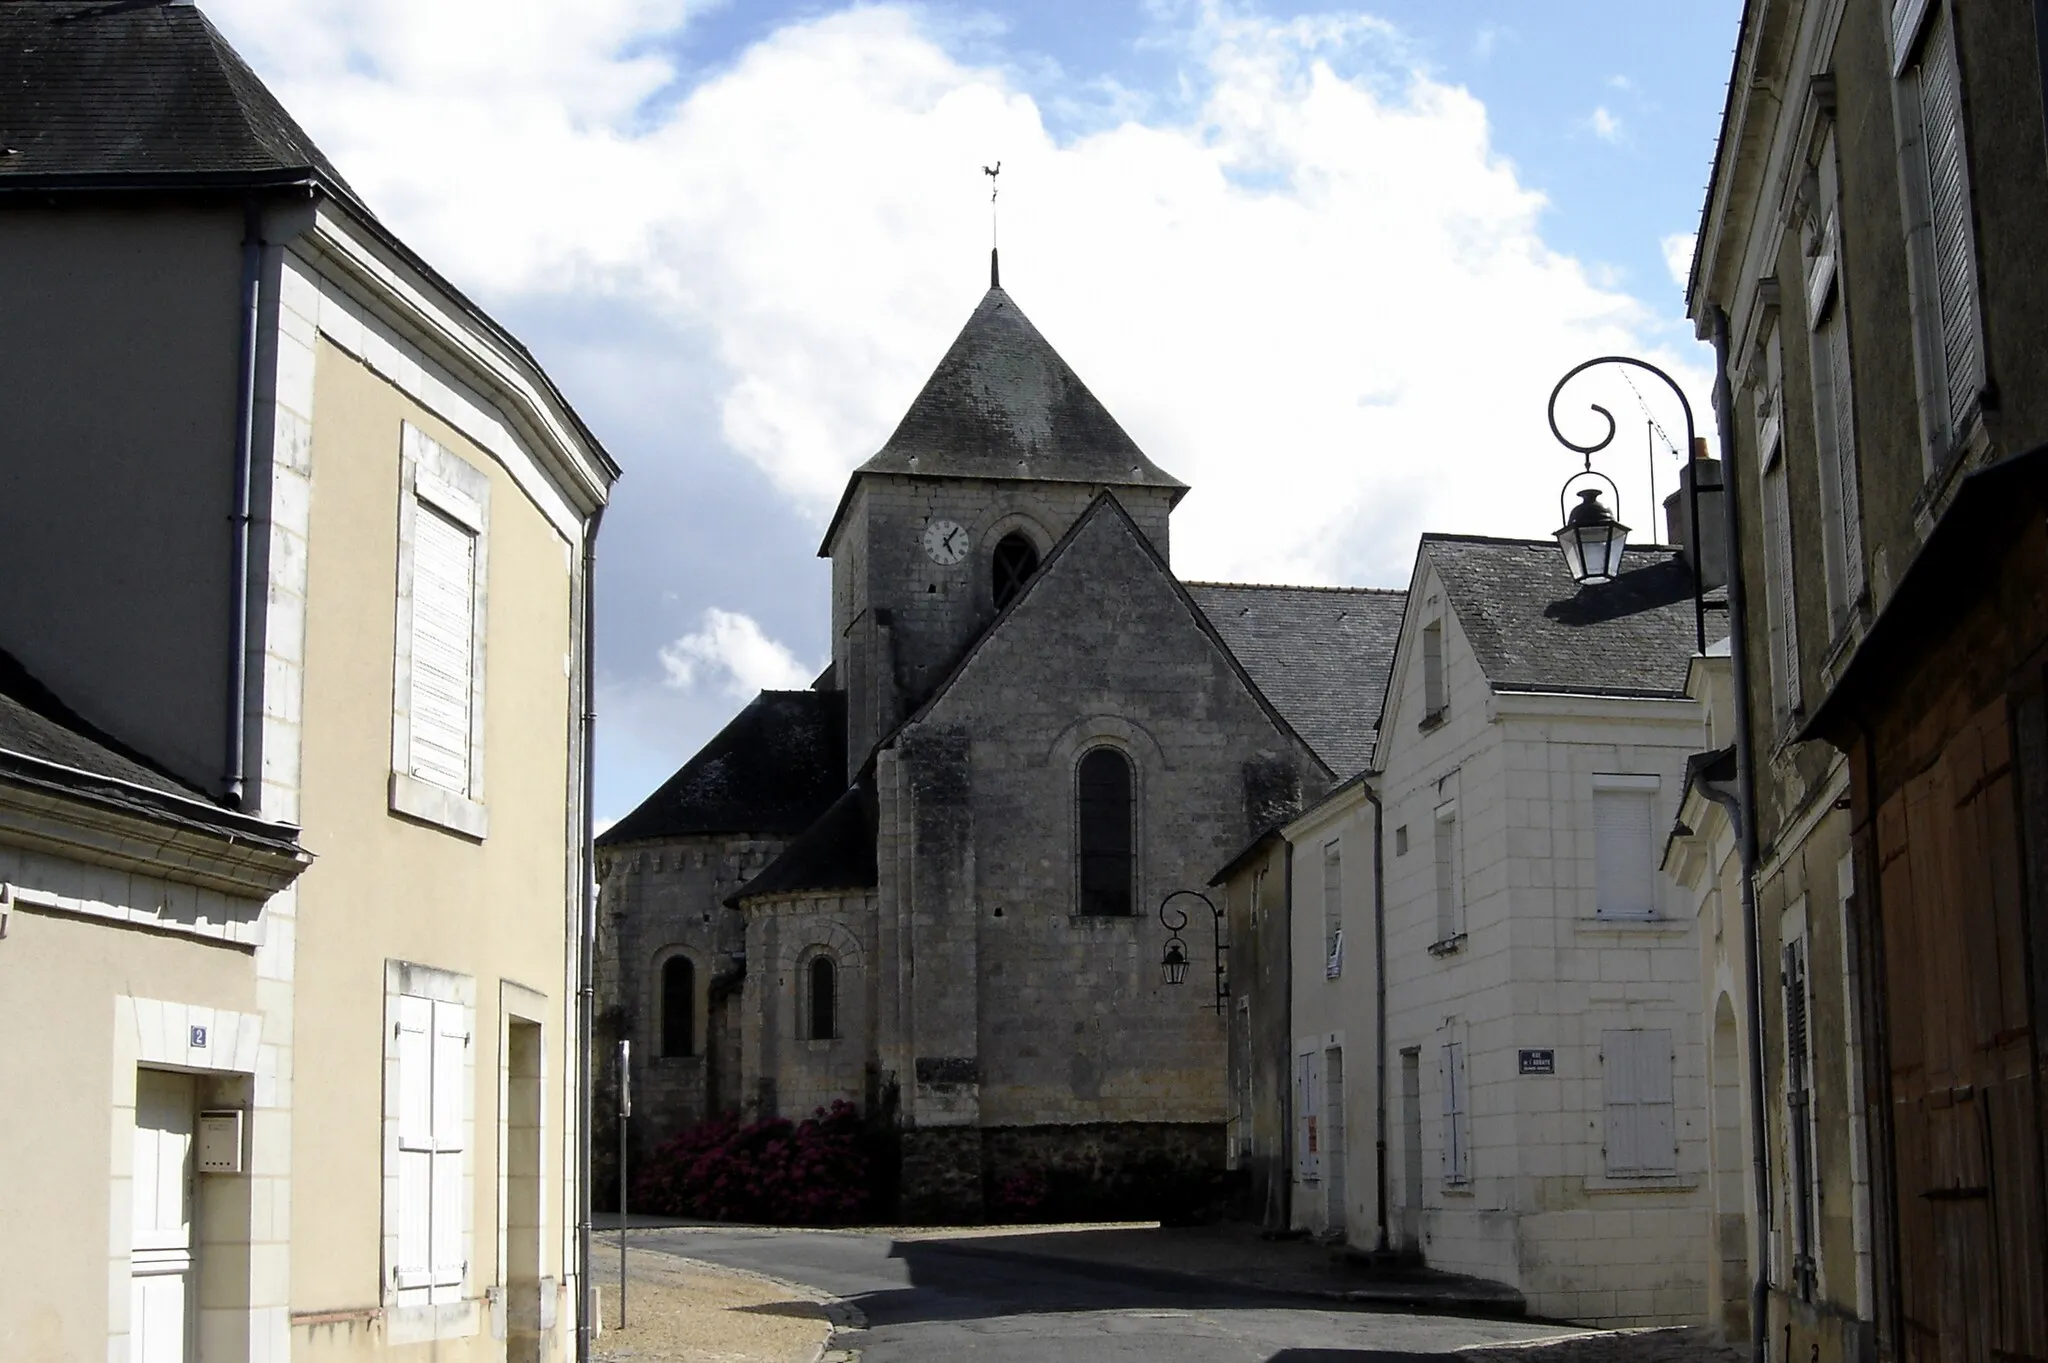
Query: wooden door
{"points": [[160, 1247]]}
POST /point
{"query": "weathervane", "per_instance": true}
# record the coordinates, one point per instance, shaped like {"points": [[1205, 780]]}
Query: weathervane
{"points": [[995, 279]]}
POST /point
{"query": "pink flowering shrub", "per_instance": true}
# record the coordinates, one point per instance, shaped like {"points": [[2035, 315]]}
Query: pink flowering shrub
{"points": [[777, 1172]]}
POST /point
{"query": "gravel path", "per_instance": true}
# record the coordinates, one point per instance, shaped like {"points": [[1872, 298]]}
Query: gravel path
{"points": [[686, 1311]]}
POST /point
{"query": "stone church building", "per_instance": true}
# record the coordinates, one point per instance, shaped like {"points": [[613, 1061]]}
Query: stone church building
{"points": [[928, 885]]}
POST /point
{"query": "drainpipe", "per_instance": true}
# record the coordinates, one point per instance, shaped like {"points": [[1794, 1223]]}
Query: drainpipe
{"points": [[236, 758], [586, 952], [1745, 779], [1288, 1156], [1379, 986]]}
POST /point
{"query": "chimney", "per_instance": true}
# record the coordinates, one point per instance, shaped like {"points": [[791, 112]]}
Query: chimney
{"points": [[1713, 550]]}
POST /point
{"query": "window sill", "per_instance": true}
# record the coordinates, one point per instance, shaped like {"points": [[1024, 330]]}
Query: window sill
{"points": [[437, 805], [1654, 927], [1642, 1183], [1434, 719], [424, 1324], [1449, 946], [1109, 920], [821, 1043], [1464, 1189]]}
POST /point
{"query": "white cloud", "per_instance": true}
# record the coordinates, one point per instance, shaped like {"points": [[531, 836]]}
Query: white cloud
{"points": [[1620, 83], [731, 650], [1605, 125], [1312, 289], [1678, 253]]}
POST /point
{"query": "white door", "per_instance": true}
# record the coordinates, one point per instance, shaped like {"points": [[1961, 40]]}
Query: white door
{"points": [[159, 1321]]}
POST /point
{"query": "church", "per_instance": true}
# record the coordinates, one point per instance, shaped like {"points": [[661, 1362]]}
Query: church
{"points": [[929, 885]]}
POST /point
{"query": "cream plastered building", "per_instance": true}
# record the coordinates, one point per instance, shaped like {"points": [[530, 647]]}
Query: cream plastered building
{"points": [[292, 746]]}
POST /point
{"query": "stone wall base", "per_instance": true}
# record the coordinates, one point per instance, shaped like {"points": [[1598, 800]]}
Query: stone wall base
{"points": [[1168, 1171]]}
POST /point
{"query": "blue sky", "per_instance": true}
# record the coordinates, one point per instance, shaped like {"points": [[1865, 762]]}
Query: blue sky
{"points": [[1324, 263]]}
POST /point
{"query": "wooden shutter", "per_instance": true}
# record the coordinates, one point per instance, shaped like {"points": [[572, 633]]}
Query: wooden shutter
{"points": [[443, 647], [1433, 668], [450, 1088], [1333, 907], [412, 1271], [1849, 491], [1446, 847], [1621, 846], [1948, 203], [1457, 1156], [1308, 1157], [1641, 1109], [1784, 600], [1906, 18]]}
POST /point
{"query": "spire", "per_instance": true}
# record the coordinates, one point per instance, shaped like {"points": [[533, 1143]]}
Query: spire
{"points": [[995, 273]]}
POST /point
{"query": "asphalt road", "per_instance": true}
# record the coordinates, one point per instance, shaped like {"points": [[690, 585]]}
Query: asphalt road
{"points": [[927, 1301]]}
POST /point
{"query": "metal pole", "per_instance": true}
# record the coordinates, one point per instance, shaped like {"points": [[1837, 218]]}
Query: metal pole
{"points": [[625, 1111]]}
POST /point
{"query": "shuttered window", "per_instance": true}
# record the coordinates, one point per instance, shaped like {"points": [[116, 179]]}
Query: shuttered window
{"points": [[1642, 1130], [1948, 208], [1308, 1110], [443, 648], [1799, 1120], [1433, 696], [1449, 919], [1834, 416], [1333, 909], [430, 1262], [1625, 880], [1457, 1152], [1780, 591]]}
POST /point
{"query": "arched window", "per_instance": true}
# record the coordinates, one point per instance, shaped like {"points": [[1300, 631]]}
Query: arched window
{"points": [[824, 1010], [678, 1007], [1105, 832], [1015, 560]]}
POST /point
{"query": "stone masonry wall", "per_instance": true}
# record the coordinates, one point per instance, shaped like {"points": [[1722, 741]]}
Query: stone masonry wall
{"points": [[657, 899]]}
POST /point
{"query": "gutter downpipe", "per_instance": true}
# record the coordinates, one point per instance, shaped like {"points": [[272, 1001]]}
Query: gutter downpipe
{"points": [[236, 756], [1745, 778], [1379, 986], [1290, 1159], [586, 953]]}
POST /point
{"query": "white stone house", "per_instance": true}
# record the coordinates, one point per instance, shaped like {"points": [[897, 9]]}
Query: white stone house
{"points": [[1546, 1110], [1540, 1084]]}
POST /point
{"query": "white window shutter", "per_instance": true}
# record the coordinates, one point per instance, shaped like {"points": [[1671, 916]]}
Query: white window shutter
{"points": [[1446, 849], [443, 647], [1641, 1115], [415, 1073], [451, 1046], [1457, 1130], [1433, 698], [1783, 618], [1625, 884], [412, 1275], [1948, 195]]}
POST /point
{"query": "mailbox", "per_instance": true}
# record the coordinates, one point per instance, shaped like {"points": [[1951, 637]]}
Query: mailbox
{"points": [[220, 1141]]}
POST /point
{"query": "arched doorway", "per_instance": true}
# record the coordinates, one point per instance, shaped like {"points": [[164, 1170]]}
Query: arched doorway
{"points": [[1730, 1199]]}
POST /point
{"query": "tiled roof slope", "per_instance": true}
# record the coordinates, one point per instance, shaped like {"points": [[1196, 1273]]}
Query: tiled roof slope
{"points": [[1003, 404], [773, 770], [36, 724], [124, 92], [835, 853], [1321, 655], [1534, 630]]}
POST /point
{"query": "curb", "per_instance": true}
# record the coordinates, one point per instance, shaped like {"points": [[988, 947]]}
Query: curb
{"points": [[1506, 1306]]}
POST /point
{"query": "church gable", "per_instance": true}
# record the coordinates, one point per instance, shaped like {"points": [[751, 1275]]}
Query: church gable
{"points": [[1104, 629]]}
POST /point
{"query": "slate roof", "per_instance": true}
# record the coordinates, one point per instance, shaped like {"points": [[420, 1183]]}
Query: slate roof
{"points": [[835, 853], [774, 769], [1534, 630], [1322, 655], [35, 723], [1003, 404], [46, 745], [124, 92]]}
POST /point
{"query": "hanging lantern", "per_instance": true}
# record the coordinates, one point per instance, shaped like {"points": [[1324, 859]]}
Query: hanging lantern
{"points": [[1175, 966], [1591, 537]]}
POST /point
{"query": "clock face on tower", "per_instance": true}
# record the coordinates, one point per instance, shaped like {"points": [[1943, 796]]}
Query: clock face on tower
{"points": [[945, 542]]}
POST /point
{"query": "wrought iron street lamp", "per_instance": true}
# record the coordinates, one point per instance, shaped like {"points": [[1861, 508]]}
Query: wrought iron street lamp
{"points": [[1174, 964], [1593, 537]]}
